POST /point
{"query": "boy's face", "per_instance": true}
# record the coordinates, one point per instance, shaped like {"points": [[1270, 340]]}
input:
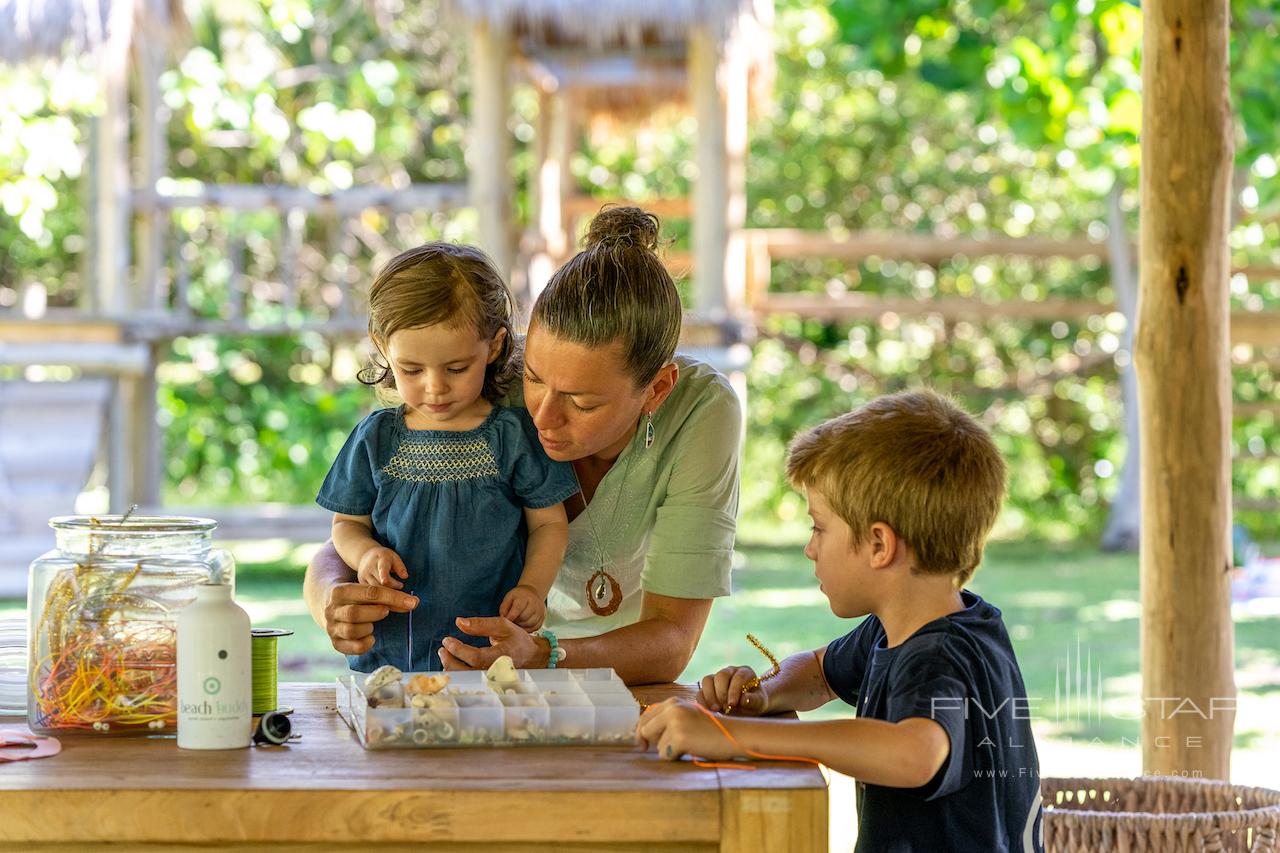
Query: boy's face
{"points": [[843, 571]]}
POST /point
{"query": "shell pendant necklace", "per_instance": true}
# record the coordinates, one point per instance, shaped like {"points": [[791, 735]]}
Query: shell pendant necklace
{"points": [[604, 593]]}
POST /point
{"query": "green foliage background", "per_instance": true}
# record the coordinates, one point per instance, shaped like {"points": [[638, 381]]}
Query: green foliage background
{"points": [[931, 116]]}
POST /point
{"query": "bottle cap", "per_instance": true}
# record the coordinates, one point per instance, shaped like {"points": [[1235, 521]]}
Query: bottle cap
{"points": [[273, 728]]}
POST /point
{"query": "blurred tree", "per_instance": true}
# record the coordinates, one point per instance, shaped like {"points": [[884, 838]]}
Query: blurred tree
{"points": [[846, 146], [1065, 73]]}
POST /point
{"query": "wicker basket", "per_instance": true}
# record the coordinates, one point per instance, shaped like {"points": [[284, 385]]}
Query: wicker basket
{"points": [[1159, 814]]}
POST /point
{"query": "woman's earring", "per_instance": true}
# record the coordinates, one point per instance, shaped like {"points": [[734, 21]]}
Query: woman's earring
{"points": [[648, 432]]}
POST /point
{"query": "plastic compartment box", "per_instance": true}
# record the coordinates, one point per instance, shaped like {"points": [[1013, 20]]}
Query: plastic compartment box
{"points": [[552, 706]]}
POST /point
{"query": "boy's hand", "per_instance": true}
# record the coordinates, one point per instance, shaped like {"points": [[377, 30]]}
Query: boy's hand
{"points": [[524, 607], [379, 565], [676, 727], [723, 692]]}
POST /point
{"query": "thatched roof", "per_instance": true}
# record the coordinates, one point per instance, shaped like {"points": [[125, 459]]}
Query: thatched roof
{"points": [[624, 58], [603, 24], [38, 29]]}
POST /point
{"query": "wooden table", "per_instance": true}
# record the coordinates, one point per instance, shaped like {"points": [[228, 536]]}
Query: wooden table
{"points": [[325, 790]]}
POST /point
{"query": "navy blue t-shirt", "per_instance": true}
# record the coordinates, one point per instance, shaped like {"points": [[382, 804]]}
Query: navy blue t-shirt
{"points": [[960, 671]]}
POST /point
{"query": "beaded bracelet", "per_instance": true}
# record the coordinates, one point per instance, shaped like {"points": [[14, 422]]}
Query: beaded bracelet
{"points": [[557, 654]]}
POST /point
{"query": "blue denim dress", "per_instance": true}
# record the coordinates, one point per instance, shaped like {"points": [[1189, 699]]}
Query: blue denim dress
{"points": [[451, 504]]}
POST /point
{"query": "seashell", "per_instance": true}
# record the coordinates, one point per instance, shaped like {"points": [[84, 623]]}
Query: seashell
{"points": [[381, 677], [444, 730], [388, 696], [418, 700], [425, 685], [502, 671]]}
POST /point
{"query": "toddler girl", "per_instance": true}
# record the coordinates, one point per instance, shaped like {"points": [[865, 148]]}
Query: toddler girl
{"points": [[448, 496]]}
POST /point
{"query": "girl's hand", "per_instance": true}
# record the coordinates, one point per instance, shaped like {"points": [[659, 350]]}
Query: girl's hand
{"points": [[378, 565], [505, 638], [676, 727], [723, 692], [524, 607]]}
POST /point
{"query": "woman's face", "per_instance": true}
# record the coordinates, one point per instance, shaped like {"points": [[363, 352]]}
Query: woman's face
{"points": [[581, 398]]}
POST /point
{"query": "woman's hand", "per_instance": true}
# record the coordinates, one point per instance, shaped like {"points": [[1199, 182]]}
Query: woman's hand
{"points": [[350, 609], [678, 727], [505, 638], [723, 692]]}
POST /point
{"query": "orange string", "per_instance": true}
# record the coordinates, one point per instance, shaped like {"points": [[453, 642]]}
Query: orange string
{"points": [[733, 740], [774, 669]]}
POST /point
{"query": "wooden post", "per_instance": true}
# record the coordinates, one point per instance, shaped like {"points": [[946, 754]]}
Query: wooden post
{"points": [[144, 433], [87, 300], [551, 183], [554, 179], [533, 243], [710, 226], [489, 170], [1184, 383], [736, 85], [111, 211], [759, 267], [152, 153], [111, 254], [1125, 518]]}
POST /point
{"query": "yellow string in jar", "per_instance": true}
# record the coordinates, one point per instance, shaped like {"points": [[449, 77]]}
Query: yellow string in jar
{"points": [[102, 667]]}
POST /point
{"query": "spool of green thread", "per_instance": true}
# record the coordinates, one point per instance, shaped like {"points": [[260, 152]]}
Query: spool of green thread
{"points": [[264, 666]]}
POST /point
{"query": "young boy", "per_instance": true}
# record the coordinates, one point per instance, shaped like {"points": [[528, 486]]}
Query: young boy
{"points": [[902, 492]]}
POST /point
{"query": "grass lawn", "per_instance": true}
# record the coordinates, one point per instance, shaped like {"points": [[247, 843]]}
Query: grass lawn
{"points": [[1067, 608]]}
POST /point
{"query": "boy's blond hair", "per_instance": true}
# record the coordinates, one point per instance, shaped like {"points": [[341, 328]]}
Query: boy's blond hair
{"points": [[915, 461]]}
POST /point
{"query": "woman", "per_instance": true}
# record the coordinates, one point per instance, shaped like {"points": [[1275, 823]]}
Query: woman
{"points": [[653, 439]]}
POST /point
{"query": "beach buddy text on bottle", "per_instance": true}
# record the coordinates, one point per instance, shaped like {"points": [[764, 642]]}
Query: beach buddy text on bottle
{"points": [[214, 676]]}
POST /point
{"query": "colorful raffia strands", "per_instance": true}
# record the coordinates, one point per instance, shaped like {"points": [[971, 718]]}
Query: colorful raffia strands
{"points": [[108, 653], [114, 674]]}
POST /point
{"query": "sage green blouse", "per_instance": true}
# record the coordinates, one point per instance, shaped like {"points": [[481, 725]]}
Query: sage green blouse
{"points": [[663, 518]]}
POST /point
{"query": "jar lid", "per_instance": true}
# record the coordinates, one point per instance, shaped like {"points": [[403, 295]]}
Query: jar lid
{"points": [[133, 523]]}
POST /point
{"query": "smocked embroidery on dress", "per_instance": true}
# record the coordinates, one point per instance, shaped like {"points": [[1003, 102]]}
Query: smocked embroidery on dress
{"points": [[451, 505], [436, 461]]}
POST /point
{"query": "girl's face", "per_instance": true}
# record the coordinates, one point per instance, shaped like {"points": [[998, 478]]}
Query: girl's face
{"points": [[582, 400], [439, 373]]}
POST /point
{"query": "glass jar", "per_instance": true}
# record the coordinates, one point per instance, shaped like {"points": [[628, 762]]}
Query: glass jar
{"points": [[102, 610]]}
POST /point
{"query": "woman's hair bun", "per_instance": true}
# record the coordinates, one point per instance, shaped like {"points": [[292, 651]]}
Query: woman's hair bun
{"points": [[623, 227]]}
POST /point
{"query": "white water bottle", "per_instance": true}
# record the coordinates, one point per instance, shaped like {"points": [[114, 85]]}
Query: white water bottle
{"points": [[214, 675]]}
